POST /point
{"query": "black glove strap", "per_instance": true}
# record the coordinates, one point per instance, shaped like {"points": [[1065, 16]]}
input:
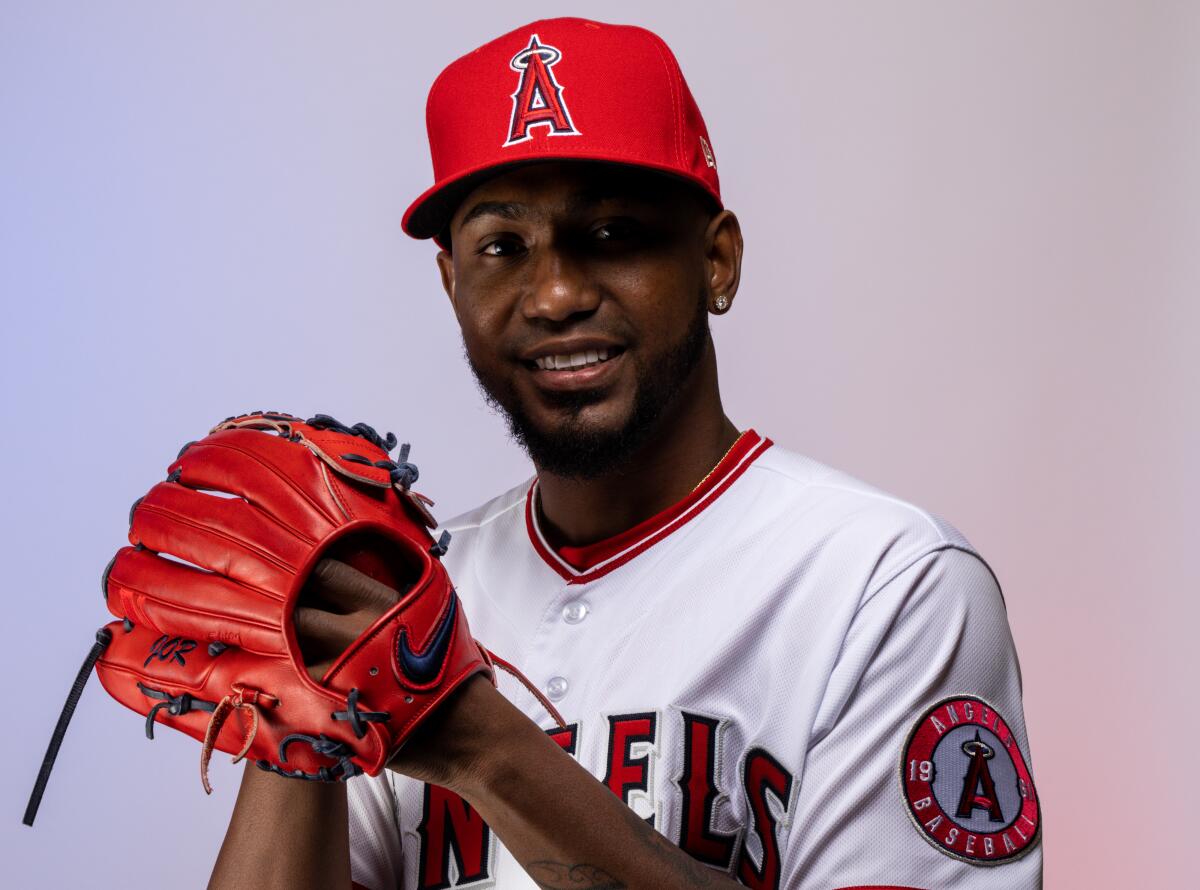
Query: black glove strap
{"points": [[103, 638]]}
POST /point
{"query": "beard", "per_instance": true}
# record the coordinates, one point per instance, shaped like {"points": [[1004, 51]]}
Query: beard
{"points": [[574, 449]]}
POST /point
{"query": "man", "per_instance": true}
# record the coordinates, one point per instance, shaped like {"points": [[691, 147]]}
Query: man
{"points": [[770, 673]]}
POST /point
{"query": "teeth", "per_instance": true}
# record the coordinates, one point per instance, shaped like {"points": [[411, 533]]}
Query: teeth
{"points": [[572, 362]]}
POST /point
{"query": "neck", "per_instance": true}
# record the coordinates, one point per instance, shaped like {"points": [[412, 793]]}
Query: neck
{"points": [[687, 443]]}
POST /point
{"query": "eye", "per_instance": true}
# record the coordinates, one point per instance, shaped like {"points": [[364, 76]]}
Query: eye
{"points": [[615, 230], [502, 246]]}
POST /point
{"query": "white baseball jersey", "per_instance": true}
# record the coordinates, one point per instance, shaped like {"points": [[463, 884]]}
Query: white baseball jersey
{"points": [[793, 676]]}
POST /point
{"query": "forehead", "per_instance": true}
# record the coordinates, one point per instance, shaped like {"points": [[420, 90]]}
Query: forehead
{"points": [[563, 187]]}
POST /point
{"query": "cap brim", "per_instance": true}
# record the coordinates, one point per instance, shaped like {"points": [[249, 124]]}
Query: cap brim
{"points": [[430, 214]]}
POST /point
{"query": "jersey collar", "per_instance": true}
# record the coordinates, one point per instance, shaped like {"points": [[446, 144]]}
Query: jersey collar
{"points": [[579, 565]]}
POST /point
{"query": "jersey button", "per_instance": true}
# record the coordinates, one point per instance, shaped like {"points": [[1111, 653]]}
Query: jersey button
{"points": [[575, 612], [556, 688]]}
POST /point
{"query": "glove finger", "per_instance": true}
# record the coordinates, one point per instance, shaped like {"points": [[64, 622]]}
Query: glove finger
{"points": [[224, 535], [241, 462], [182, 600]]}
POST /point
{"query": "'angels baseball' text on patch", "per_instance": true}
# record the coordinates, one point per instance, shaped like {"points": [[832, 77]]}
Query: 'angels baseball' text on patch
{"points": [[967, 786]]}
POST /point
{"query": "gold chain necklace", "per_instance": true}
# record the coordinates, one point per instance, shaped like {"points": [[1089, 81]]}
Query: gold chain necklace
{"points": [[721, 461]]}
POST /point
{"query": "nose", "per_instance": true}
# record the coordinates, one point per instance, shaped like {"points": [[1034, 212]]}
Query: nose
{"points": [[559, 289]]}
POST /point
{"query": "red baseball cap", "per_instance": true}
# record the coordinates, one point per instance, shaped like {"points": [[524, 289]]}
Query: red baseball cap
{"points": [[559, 89]]}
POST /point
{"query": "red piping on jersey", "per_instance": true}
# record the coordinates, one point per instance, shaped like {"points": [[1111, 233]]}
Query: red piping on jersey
{"points": [[579, 565]]}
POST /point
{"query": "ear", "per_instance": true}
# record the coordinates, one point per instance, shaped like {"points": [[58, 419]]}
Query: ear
{"points": [[446, 267], [723, 254]]}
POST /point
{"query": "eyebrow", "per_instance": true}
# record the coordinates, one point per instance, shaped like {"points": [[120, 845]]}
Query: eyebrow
{"points": [[503, 209], [513, 210], [599, 195]]}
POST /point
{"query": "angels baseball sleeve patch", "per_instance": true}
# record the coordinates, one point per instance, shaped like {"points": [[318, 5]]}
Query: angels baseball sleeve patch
{"points": [[966, 783]]}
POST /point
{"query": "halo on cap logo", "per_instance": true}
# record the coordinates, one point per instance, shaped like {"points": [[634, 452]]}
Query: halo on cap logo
{"points": [[967, 786], [538, 100]]}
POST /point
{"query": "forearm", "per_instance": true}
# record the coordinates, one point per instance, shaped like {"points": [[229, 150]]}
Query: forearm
{"points": [[568, 830], [564, 827], [285, 833]]}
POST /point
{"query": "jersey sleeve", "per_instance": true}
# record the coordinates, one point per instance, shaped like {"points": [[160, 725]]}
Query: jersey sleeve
{"points": [[375, 851], [917, 771]]}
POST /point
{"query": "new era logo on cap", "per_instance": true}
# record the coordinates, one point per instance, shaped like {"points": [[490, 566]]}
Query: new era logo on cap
{"points": [[560, 89]]}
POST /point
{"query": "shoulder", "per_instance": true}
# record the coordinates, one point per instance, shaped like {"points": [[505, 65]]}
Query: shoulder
{"points": [[501, 506], [801, 478], [496, 526], [850, 519]]}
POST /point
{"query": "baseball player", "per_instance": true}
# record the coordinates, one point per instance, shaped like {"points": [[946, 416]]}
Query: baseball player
{"points": [[768, 673]]}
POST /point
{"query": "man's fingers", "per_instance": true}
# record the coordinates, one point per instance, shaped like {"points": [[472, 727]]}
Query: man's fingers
{"points": [[344, 589], [324, 634], [337, 604]]}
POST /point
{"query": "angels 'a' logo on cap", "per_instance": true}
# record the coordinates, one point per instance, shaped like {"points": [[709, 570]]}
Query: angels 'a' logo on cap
{"points": [[538, 100], [968, 789]]}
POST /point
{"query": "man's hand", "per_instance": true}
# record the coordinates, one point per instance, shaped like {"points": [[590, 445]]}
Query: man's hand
{"points": [[337, 604]]}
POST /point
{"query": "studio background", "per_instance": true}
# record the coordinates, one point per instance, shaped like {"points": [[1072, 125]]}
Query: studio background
{"points": [[970, 279]]}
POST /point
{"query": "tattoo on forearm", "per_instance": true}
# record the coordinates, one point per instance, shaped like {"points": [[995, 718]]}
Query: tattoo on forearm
{"points": [[561, 876], [670, 863]]}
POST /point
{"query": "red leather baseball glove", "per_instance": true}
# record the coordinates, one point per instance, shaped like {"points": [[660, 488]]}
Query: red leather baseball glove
{"points": [[220, 553]]}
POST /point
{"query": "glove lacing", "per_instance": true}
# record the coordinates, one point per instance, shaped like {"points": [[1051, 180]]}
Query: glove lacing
{"points": [[242, 699], [496, 661]]}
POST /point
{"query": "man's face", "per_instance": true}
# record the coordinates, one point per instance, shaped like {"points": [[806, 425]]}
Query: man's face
{"points": [[581, 293]]}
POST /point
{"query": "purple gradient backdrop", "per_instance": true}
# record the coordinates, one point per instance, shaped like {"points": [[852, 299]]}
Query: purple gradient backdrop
{"points": [[971, 278]]}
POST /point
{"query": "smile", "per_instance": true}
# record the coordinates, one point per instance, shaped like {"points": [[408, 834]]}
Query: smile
{"points": [[574, 361], [587, 369]]}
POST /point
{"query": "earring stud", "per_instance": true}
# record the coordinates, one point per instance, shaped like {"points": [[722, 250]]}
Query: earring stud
{"points": [[721, 303]]}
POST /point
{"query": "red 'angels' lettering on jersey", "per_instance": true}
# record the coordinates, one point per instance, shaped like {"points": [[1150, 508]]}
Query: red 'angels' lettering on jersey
{"points": [[565, 737], [700, 795], [450, 827], [631, 742], [968, 788], [538, 99], [451, 830], [763, 775]]}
